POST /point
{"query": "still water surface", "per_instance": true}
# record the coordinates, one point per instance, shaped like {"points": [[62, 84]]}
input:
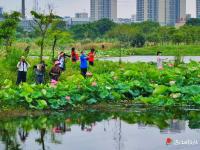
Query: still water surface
{"points": [[128, 129]]}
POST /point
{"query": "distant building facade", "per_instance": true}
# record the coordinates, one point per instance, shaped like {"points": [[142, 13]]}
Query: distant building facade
{"points": [[166, 12], [175, 126], [124, 21], [141, 13], [23, 9], [75, 21], [1, 12], [78, 19], [27, 24], [133, 18], [100, 9], [81, 15], [188, 16], [198, 8]]}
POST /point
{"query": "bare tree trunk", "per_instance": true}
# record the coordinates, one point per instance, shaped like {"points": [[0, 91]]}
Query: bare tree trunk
{"points": [[41, 50], [53, 47]]}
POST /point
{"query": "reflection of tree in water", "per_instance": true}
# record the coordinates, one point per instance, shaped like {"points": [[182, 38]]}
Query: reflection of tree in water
{"points": [[175, 126], [118, 134], [59, 129], [8, 137], [23, 134], [11, 128], [40, 140]]}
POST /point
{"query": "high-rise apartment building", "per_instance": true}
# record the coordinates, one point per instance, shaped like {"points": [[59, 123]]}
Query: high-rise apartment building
{"points": [[198, 8], [23, 9], [1, 11], [166, 12], [152, 9], [141, 15], [100, 9]]}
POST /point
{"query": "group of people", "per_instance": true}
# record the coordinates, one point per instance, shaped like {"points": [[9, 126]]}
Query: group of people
{"points": [[58, 67]]}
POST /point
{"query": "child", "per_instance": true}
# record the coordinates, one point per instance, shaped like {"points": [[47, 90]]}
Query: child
{"points": [[55, 71], [22, 66], [84, 65], [91, 56]]}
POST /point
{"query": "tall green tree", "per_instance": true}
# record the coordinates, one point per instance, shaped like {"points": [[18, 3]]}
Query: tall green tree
{"points": [[92, 30], [8, 28], [58, 34], [193, 22], [128, 34], [42, 24]]}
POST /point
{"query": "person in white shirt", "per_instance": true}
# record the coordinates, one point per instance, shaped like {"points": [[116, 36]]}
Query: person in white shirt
{"points": [[61, 58], [22, 66], [160, 60]]}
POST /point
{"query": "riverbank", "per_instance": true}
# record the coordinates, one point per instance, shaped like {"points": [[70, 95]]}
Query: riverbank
{"points": [[21, 112], [167, 50], [148, 59]]}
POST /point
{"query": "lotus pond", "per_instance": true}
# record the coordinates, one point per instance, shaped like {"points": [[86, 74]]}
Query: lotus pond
{"points": [[138, 83], [112, 128]]}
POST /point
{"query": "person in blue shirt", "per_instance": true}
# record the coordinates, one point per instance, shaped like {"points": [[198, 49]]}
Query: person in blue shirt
{"points": [[84, 64]]}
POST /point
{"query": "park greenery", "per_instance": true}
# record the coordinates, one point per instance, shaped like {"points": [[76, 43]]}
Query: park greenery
{"points": [[125, 83], [49, 35]]}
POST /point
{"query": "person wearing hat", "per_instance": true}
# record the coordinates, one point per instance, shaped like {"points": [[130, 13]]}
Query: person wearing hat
{"points": [[55, 71], [62, 58], [22, 66]]}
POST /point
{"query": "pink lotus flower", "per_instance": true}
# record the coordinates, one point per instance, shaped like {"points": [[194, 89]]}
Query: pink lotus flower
{"points": [[54, 83], [68, 98], [89, 74], [171, 65], [56, 130], [94, 84]]}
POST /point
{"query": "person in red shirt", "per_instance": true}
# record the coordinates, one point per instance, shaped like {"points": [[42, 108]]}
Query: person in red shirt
{"points": [[74, 55], [91, 56]]}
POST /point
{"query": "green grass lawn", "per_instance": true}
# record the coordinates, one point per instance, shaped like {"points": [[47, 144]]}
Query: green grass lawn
{"points": [[167, 50], [185, 50]]}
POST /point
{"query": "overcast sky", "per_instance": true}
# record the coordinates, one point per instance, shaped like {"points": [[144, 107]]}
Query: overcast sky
{"points": [[69, 7]]}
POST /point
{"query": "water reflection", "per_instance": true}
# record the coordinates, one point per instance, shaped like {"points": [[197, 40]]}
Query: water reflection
{"points": [[90, 128], [175, 126]]}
